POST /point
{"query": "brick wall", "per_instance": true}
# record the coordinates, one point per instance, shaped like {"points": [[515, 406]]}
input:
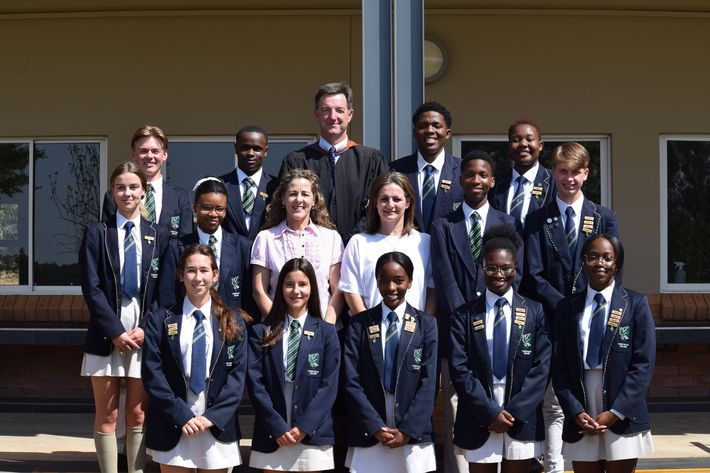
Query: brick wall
{"points": [[682, 372]]}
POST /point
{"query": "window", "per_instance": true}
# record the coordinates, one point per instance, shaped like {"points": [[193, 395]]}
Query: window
{"points": [[190, 159], [597, 187], [49, 191], [685, 213]]}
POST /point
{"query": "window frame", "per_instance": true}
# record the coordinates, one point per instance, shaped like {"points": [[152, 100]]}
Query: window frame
{"points": [[604, 154], [669, 287], [31, 288]]}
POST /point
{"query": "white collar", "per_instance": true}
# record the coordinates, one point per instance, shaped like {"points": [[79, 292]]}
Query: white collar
{"points": [[256, 177], [438, 162], [529, 175], [399, 310], [338, 146], [204, 237], [121, 221], [188, 308], [157, 185], [492, 298], [576, 205], [606, 292], [482, 212], [301, 320]]}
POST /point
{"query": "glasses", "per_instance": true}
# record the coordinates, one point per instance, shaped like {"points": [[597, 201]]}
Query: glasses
{"points": [[503, 270], [211, 208], [605, 260]]}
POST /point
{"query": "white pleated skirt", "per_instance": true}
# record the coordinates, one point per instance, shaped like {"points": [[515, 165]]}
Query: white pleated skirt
{"points": [[202, 450], [607, 446], [501, 446], [299, 457], [409, 458], [117, 364]]}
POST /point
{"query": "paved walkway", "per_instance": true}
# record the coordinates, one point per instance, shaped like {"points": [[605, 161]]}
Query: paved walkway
{"points": [[63, 442]]}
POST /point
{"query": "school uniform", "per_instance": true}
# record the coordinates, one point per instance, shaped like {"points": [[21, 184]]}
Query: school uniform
{"points": [[234, 252], [101, 266], [174, 211], [305, 400], [618, 384], [482, 394], [551, 271], [356, 168], [408, 402], [167, 374], [449, 193], [539, 190], [236, 221]]}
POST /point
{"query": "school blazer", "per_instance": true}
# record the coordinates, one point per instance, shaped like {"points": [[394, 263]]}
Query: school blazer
{"points": [[447, 199], [627, 366], [175, 215], [551, 272], [457, 278], [415, 388], [164, 380], [234, 222], [498, 197], [315, 385], [100, 269], [234, 272], [472, 375]]}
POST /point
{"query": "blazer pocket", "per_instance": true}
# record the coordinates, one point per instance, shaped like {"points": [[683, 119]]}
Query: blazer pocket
{"points": [[622, 339], [414, 359], [314, 364]]}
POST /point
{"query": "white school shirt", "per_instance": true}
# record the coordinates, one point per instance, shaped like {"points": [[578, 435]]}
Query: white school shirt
{"points": [[324, 145], [204, 239], [528, 183], [576, 206], [287, 332], [384, 325], [437, 164], [491, 299], [188, 327], [482, 212], [136, 232], [256, 177]]}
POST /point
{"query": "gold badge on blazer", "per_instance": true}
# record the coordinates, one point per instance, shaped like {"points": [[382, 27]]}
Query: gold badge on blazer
{"points": [[172, 329], [520, 317]]}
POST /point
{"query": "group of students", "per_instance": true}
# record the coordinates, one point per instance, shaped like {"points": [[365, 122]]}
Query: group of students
{"points": [[433, 287]]}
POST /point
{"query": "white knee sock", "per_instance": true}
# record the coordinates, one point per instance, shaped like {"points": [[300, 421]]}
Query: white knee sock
{"points": [[135, 449], [106, 452]]}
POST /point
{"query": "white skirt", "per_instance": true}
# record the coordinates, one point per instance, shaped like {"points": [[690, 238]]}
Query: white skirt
{"points": [[501, 446], [299, 457], [409, 458], [200, 451], [607, 446], [126, 365]]}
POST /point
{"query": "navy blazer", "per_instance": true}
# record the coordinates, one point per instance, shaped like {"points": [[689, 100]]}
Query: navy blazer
{"points": [[551, 273], [234, 272], [100, 270], [472, 376], [448, 198], [315, 385], [457, 278], [415, 388], [163, 376], [627, 367], [234, 221], [498, 197], [175, 214]]}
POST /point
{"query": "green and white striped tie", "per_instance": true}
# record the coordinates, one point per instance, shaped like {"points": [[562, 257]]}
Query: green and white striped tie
{"points": [[248, 197], [294, 339], [150, 204], [474, 236]]}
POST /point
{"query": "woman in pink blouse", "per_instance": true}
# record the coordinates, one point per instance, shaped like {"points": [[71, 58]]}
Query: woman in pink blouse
{"points": [[297, 225]]}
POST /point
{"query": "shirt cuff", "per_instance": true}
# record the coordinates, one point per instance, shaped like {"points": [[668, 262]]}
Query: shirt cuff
{"points": [[617, 414]]}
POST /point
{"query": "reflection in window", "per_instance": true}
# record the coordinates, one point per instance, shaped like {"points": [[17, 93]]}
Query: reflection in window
{"points": [[688, 211], [14, 206], [66, 199], [499, 150]]}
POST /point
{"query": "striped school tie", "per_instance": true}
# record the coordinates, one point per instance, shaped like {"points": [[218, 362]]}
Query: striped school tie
{"points": [[516, 205], [474, 236], [130, 262], [294, 339], [391, 342], [596, 332], [150, 204], [500, 340], [570, 230], [248, 196], [428, 196], [198, 361]]}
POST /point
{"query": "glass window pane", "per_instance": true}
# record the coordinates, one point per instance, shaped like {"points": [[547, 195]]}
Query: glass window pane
{"points": [[14, 211], [66, 193], [688, 211], [499, 151]]}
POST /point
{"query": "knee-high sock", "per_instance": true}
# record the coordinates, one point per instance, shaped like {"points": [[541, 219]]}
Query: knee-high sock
{"points": [[135, 449], [106, 452]]}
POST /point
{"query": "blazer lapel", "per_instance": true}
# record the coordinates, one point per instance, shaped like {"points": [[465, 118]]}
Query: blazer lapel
{"points": [[447, 174], [374, 322], [304, 347], [217, 341], [478, 319], [173, 326], [235, 202], [516, 330], [577, 306], [168, 203], [619, 303], [542, 179], [459, 235], [259, 205], [589, 211], [277, 359], [501, 189], [412, 174], [148, 249], [405, 336], [112, 248], [555, 233]]}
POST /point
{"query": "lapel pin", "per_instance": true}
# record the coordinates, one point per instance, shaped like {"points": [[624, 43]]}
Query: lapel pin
{"points": [[374, 328], [308, 333], [172, 329], [263, 195], [410, 326]]}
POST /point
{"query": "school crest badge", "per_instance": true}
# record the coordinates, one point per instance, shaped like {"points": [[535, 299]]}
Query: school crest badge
{"points": [[624, 332], [154, 264], [417, 355], [230, 352], [526, 340], [456, 205], [314, 360], [236, 286]]}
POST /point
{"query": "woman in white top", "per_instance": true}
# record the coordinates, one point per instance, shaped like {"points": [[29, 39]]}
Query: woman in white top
{"points": [[298, 225], [390, 217], [194, 370]]}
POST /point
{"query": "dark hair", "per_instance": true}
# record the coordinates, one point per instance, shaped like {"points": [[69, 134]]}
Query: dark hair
{"points": [[227, 324], [334, 88], [479, 154], [504, 237], [251, 129], [399, 179], [615, 243], [208, 187], [432, 107], [277, 315], [523, 121], [395, 257]]}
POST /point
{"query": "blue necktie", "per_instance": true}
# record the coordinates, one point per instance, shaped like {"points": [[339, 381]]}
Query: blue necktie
{"points": [[570, 231], [428, 197], [391, 341], [516, 205], [294, 339], [500, 341], [596, 332], [332, 153], [130, 262], [198, 362]]}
